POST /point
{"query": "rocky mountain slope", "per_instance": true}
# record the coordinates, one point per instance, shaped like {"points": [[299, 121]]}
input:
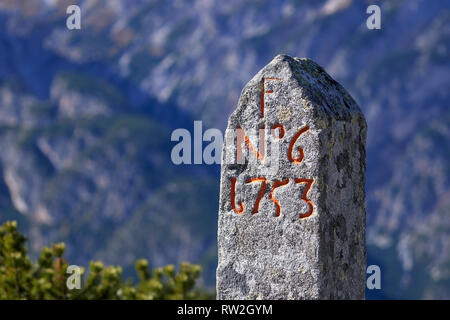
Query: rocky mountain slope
{"points": [[86, 117]]}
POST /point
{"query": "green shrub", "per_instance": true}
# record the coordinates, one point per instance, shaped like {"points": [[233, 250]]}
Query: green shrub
{"points": [[20, 278]]}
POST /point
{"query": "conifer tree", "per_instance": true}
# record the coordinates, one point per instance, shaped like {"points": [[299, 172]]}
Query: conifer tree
{"points": [[47, 278]]}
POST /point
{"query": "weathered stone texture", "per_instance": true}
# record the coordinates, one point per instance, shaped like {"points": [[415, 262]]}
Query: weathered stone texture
{"points": [[289, 256]]}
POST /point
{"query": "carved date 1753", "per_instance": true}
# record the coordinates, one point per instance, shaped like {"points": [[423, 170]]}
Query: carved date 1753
{"points": [[240, 207]]}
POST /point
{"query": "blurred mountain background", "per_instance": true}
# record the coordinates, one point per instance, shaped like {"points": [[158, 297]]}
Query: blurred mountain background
{"points": [[86, 117]]}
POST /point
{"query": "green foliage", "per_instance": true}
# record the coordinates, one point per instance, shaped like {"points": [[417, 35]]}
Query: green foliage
{"points": [[48, 277]]}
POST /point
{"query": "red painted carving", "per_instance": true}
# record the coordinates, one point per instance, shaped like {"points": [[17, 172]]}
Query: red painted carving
{"points": [[233, 197], [261, 192], [263, 92], [241, 135], [300, 150], [308, 183], [277, 184], [281, 131]]}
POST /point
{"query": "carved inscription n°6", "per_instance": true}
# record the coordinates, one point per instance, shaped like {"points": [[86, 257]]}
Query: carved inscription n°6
{"points": [[294, 156]]}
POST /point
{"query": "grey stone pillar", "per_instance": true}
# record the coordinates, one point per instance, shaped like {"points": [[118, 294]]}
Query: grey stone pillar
{"points": [[292, 213]]}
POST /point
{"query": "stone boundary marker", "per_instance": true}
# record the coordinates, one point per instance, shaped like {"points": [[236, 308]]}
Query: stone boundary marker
{"points": [[292, 215]]}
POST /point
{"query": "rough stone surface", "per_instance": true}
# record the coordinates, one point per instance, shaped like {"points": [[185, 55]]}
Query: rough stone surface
{"points": [[263, 255]]}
